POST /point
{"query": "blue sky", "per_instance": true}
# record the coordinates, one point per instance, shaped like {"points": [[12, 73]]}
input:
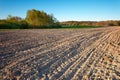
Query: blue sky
{"points": [[64, 10]]}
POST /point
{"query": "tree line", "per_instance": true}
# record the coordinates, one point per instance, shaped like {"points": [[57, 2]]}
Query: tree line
{"points": [[92, 23], [40, 19], [34, 19]]}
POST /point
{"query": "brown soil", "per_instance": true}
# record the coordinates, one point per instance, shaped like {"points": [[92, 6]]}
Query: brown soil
{"points": [[78, 54]]}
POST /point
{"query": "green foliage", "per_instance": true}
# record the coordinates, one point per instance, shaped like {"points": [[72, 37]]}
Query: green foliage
{"points": [[36, 19], [13, 22], [4, 24], [77, 27], [40, 19], [46, 26], [23, 24], [8, 24]]}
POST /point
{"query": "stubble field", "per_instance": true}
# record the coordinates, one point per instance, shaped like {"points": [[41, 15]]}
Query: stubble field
{"points": [[60, 54]]}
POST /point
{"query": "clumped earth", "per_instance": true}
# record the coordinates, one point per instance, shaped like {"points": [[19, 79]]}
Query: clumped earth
{"points": [[78, 54]]}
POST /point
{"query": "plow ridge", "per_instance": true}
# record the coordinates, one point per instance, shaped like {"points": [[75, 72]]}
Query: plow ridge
{"points": [[88, 54]]}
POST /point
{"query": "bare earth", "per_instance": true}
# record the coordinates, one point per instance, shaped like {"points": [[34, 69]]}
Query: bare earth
{"points": [[78, 54]]}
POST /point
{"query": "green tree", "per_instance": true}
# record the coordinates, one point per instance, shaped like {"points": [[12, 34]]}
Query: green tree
{"points": [[37, 18]]}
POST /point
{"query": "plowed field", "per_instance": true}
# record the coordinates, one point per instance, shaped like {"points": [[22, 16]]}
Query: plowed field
{"points": [[60, 54]]}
